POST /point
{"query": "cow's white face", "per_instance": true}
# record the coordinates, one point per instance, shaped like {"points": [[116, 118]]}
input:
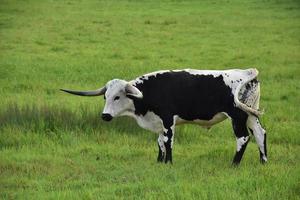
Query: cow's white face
{"points": [[117, 101]]}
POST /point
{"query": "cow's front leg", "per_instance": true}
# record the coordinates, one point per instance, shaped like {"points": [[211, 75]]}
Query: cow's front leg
{"points": [[161, 148], [168, 141]]}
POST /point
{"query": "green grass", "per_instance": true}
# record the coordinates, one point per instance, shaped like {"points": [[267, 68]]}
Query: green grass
{"points": [[54, 145]]}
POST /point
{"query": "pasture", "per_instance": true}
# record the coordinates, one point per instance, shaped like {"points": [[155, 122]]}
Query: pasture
{"points": [[55, 146]]}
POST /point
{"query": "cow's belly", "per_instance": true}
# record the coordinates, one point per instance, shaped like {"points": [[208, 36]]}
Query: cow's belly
{"points": [[204, 123], [153, 122]]}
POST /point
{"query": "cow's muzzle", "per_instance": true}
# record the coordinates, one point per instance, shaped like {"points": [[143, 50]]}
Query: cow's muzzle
{"points": [[106, 117]]}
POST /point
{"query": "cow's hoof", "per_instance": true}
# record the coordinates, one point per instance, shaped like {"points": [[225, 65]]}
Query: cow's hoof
{"points": [[235, 164], [168, 161], [262, 161], [160, 159]]}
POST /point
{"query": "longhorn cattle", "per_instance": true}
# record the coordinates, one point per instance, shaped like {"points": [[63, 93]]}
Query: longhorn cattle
{"points": [[160, 100]]}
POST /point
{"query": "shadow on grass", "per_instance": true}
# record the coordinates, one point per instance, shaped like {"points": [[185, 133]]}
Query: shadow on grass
{"points": [[59, 118]]}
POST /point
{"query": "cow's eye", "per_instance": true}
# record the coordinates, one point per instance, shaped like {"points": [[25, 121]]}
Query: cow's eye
{"points": [[104, 97], [116, 98]]}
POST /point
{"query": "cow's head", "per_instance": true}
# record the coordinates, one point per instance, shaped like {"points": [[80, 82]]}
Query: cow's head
{"points": [[118, 95]]}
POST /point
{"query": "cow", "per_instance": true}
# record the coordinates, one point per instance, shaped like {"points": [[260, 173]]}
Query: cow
{"points": [[160, 100]]}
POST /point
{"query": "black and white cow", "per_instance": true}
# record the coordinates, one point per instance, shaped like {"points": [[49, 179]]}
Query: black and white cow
{"points": [[160, 100]]}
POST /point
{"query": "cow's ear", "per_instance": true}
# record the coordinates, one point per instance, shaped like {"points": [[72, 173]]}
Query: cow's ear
{"points": [[133, 91]]}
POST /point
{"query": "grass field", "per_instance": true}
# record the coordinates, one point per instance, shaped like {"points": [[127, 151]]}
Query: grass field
{"points": [[54, 145]]}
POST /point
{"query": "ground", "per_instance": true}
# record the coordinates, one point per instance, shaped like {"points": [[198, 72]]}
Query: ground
{"points": [[55, 146]]}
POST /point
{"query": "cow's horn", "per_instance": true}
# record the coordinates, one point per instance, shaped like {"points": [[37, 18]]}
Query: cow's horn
{"points": [[98, 92]]}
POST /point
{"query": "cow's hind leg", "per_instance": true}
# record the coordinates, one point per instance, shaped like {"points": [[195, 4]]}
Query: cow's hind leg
{"points": [[242, 139], [260, 136], [161, 148]]}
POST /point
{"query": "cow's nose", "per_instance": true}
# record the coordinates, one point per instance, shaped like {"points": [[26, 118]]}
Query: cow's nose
{"points": [[106, 117]]}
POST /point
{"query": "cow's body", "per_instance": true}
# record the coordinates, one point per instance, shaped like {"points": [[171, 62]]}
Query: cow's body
{"points": [[165, 98], [187, 95]]}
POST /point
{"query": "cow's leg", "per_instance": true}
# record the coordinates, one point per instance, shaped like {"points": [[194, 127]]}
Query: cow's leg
{"points": [[168, 141], [161, 148], [242, 139], [169, 126], [260, 136]]}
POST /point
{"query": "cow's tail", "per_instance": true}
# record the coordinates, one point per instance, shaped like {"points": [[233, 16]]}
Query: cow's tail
{"points": [[253, 73]]}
